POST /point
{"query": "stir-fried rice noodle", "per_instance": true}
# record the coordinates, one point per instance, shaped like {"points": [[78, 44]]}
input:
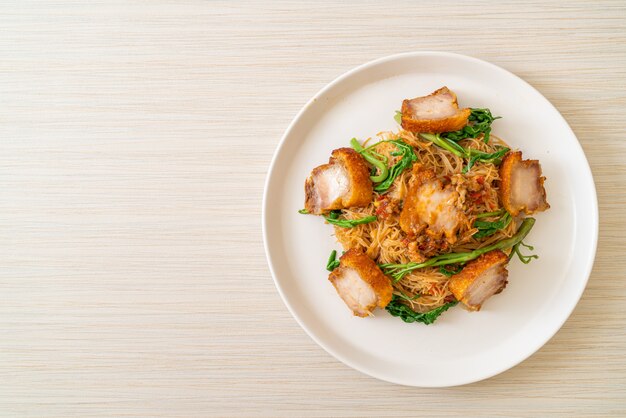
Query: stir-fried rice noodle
{"points": [[385, 241]]}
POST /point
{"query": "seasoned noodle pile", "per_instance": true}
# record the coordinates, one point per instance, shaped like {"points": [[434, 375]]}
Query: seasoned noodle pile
{"points": [[385, 242], [429, 216]]}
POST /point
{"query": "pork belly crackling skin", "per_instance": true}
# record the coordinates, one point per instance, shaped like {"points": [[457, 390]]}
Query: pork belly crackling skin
{"points": [[342, 183], [435, 113], [480, 279], [521, 187], [431, 207], [360, 283]]}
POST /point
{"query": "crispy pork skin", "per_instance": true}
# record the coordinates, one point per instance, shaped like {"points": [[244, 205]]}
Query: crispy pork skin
{"points": [[342, 183], [435, 113], [521, 188], [360, 283], [431, 207], [480, 279]]}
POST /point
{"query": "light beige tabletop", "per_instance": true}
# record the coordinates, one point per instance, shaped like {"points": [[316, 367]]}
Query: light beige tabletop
{"points": [[135, 137]]}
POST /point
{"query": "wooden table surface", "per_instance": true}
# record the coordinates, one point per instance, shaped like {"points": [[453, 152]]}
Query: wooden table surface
{"points": [[135, 139]]}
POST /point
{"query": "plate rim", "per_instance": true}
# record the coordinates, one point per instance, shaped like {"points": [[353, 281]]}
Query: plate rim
{"points": [[426, 53]]}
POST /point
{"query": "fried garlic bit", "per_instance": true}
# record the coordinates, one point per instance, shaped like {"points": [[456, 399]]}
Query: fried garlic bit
{"points": [[480, 279], [342, 183], [360, 283], [521, 188], [438, 112]]}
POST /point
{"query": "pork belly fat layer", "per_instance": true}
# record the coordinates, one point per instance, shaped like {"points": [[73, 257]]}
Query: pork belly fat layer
{"points": [[342, 183], [325, 188], [522, 187], [480, 279], [355, 292], [435, 113], [360, 283]]}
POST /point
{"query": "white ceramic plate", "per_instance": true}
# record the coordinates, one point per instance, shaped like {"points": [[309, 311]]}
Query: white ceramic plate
{"points": [[461, 347]]}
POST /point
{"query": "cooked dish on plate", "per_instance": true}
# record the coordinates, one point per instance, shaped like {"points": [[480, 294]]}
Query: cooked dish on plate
{"points": [[429, 216]]}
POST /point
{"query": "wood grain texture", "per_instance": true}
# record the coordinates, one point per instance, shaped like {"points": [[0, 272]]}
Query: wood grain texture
{"points": [[133, 280]]}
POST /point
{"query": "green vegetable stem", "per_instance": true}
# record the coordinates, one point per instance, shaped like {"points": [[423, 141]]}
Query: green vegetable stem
{"points": [[333, 218], [471, 154], [379, 162], [386, 176], [407, 160], [398, 271], [523, 258], [332, 262]]}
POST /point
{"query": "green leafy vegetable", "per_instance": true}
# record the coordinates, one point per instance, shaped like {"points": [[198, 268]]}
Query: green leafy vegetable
{"points": [[408, 315], [486, 229], [407, 160], [398, 117], [370, 157], [333, 218], [398, 271], [480, 121], [471, 154], [476, 155], [303, 211], [450, 271], [386, 176], [332, 262], [523, 258]]}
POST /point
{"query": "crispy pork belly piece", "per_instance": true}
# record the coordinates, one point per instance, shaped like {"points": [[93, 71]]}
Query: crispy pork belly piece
{"points": [[342, 183], [360, 283], [480, 279], [521, 188], [431, 206], [435, 113]]}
